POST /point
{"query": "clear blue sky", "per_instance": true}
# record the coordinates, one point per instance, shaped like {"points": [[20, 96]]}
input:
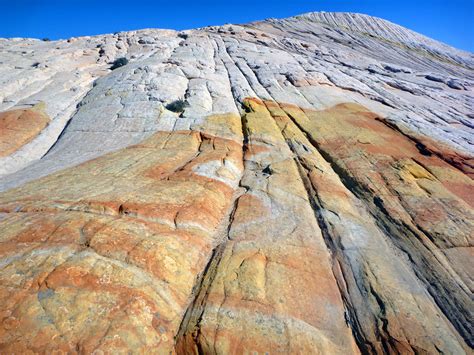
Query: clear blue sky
{"points": [[450, 21]]}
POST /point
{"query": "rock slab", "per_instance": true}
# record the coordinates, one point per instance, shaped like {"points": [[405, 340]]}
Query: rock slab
{"points": [[313, 194]]}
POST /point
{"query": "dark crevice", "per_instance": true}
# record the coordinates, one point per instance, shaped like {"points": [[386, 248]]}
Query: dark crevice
{"points": [[190, 327], [363, 341], [189, 332], [333, 248], [423, 150], [332, 244], [190, 324], [267, 170], [390, 344], [427, 151], [447, 294]]}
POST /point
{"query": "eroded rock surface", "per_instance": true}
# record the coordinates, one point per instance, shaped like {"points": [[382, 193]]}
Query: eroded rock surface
{"points": [[313, 195], [19, 127]]}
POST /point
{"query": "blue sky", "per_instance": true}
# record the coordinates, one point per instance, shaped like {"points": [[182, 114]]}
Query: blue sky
{"points": [[450, 21]]}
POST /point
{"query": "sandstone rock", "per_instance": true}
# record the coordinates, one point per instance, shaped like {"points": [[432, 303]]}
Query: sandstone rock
{"points": [[19, 127], [314, 196]]}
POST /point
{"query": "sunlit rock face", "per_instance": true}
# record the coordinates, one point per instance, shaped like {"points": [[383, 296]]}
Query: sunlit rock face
{"points": [[299, 186]]}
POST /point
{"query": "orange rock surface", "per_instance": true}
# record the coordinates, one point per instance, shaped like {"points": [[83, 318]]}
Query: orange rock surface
{"points": [[288, 186], [104, 256], [301, 239], [19, 127]]}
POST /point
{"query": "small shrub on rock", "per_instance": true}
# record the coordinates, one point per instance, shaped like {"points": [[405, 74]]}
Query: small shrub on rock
{"points": [[119, 62], [177, 106]]}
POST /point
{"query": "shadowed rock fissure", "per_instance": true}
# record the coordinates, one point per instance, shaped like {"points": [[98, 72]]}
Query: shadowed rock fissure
{"points": [[460, 163], [331, 243], [190, 324], [334, 251], [190, 327], [452, 299]]}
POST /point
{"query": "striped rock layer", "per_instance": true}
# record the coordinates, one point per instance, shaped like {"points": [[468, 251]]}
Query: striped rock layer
{"points": [[314, 194]]}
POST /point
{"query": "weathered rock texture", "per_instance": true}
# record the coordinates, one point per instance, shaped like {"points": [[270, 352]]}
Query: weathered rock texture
{"points": [[314, 195], [19, 127]]}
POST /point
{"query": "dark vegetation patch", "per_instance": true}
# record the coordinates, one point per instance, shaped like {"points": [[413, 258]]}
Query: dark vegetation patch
{"points": [[119, 62], [177, 105]]}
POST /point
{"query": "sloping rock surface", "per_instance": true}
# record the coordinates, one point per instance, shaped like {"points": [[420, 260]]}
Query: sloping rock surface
{"points": [[313, 194], [19, 127]]}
